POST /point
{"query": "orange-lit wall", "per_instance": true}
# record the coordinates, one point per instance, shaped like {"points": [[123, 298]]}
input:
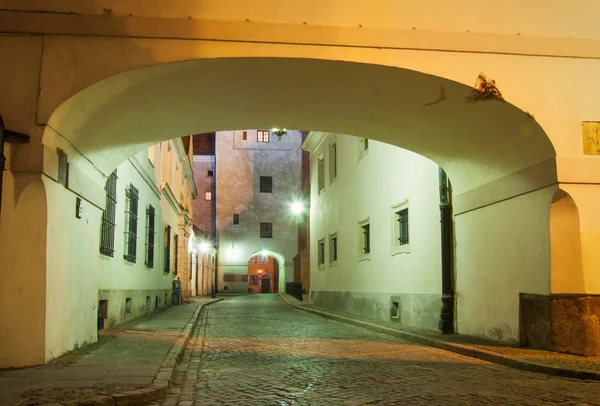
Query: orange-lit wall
{"points": [[260, 269]]}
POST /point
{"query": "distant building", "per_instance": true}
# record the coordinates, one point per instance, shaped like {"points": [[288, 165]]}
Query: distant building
{"points": [[257, 179]]}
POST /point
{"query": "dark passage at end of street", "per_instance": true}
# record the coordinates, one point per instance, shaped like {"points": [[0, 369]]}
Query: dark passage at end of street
{"points": [[257, 350]]}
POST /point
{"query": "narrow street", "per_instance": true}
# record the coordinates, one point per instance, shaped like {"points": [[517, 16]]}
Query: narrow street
{"points": [[258, 350]]}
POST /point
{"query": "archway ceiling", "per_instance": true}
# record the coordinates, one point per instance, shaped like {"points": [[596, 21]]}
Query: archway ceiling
{"points": [[475, 142]]}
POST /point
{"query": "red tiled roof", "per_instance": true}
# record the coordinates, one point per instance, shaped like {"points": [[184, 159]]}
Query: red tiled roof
{"points": [[204, 144]]}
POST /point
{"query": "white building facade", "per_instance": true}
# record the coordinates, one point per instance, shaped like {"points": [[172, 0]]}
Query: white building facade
{"points": [[375, 246], [257, 178]]}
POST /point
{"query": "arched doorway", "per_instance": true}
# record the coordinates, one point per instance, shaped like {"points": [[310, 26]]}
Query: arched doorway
{"points": [[263, 274]]}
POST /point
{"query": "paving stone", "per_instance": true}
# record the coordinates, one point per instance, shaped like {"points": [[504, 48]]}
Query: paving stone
{"points": [[257, 350]]}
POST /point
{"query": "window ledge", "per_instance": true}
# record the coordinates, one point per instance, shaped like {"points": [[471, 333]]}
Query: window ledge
{"points": [[322, 266], [333, 264], [363, 154], [402, 249], [364, 258], [332, 181]]}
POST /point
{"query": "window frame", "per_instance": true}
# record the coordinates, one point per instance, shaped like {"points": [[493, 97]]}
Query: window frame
{"points": [[321, 173], [321, 253], [332, 162], [265, 184], [266, 230], [363, 147], [131, 223], [236, 218], [263, 136], [167, 247], [364, 240], [150, 235], [208, 196], [108, 223], [397, 246], [175, 253], [333, 249]]}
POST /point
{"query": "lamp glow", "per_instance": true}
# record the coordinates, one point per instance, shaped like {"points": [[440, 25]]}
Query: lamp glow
{"points": [[297, 207], [264, 253], [204, 247]]}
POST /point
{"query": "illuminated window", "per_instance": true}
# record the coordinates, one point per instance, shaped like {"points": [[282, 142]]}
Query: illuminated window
{"points": [[107, 228], [266, 230], [207, 195], [150, 217], [262, 135], [266, 184], [131, 219]]}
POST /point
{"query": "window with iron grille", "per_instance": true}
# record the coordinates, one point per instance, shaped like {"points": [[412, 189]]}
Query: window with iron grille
{"points": [[333, 251], [266, 230], [366, 238], [253, 280], [107, 227], [402, 219], [321, 173], [332, 162], [262, 136], [321, 253], [131, 220], [176, 253], [236, 219], [150, 232], [266, 184], [167, 248]]}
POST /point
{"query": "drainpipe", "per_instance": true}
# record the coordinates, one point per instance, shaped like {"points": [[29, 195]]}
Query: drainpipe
{"points": [[446, 323], [7, 136]]}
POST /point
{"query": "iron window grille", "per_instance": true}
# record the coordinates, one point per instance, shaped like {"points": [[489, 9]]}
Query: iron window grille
{"points": [[236, 219], [266, 230], [321, 174], [167, 248], [321, 252], [262, 135], [176, 253], [150, 232], [366, 238], [332, 162], [131, 220], [402, 226], [108, 224], [266, 184], [333, 249]]}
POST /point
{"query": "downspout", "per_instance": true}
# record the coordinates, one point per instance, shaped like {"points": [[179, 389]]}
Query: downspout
{"points": [[446, 323]]}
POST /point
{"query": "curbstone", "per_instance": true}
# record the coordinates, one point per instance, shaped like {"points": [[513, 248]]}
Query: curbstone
{"points": [[462, 349]]}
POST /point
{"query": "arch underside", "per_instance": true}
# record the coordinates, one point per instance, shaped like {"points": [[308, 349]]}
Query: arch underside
{"points": [[476, 142]]}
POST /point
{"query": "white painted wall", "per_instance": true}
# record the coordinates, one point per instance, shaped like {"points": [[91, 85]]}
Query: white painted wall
{"points": [[240, 163], [367, 188]]}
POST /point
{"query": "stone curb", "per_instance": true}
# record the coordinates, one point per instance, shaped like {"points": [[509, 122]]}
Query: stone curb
{"points": [[462, 349], [160, 384]]}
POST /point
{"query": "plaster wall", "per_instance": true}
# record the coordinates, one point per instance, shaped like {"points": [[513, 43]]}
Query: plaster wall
{"points": [[23, 225], [366, 188], [204, 212], [240, 163]]}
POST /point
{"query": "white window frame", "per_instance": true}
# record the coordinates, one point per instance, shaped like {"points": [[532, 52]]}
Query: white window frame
{"points": [[321, 255], [263, 136], [395, 230], [362, 256], [332, 261]]}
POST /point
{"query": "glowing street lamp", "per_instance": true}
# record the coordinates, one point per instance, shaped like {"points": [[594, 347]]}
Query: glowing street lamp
{"points": [[264, 253], [297, 207], [204, 247]]}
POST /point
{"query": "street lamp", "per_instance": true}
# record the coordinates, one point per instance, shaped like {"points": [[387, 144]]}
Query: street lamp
{"points": [[279, 132], [204, 247], [297, 207]]}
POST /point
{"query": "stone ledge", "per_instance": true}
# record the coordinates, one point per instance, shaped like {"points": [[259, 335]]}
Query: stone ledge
{"points": [[462, 349]]}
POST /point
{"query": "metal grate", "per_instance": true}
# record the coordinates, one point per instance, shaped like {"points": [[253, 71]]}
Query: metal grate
{"points": [[266, 184], [321, 252], [366, 238], [167, 248], [150, 232], [334, 249], [266, 230], [131, 220], [107, 228], [402, 226]]}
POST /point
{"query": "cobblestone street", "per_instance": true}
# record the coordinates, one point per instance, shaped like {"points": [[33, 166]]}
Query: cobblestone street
{"points": [[256, 350]]}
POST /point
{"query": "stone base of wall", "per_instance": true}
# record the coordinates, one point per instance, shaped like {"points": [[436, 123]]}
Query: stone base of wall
{"points": [[419, 310], [140, 305], [563, 323]]}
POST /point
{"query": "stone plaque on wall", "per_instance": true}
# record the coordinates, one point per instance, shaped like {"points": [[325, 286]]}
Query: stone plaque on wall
{"points": [[591, 137]]}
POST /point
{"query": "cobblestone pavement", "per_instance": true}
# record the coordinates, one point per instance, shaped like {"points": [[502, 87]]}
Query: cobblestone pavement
{"points": [[256, 350]]}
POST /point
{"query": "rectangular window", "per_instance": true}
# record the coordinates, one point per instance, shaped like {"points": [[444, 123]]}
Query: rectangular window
{"points": [[131, 220], [364, 240], [262, 136], [333, 249], [150, 218], [244, 135], [207, 195], [176, 253], [167, 248], [236, 219], [321, 253], [266, 230], [253, 280], [402, 226], [266, 184], [108, 224], [363, 148], [332, 162], [210, 173], [321, 173]]}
